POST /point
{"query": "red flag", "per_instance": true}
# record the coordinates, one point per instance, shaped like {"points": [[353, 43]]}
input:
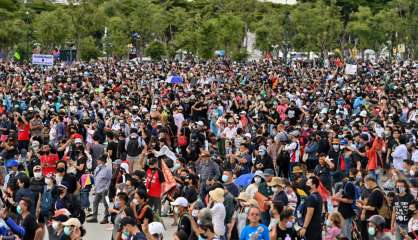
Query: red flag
{"points": [[170, 182], [323, 191]]}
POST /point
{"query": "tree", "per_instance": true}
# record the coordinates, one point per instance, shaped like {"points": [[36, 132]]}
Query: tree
{"points": [[155, 50], [317, 28], [118, 37], [53, 28]]}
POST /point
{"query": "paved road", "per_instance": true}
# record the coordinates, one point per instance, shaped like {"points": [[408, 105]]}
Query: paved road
{"points": [[104, 231]]}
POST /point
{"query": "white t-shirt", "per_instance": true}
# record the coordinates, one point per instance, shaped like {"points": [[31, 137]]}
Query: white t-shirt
{"points": [[218, 218], [399, 155]]}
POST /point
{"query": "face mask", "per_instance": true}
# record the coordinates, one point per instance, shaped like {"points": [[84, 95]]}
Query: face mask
{"points": [[37, 175], [61, 170], [176, 166], [176, 210], [358, 178], [289, 224], [412, 173], [202, 237], [246, 210], [117, 205], [371, 231], [125, 235], [224, 178], [257, 180], [135, 201], [195, 212], [336, 147], [274, 189], [55, 225], [262, 153], [400, 190], [315, 126], [19, 209]]}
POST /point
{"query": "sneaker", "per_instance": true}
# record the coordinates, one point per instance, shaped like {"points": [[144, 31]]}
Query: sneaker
{"points": [[104, 221], [91, 220]]}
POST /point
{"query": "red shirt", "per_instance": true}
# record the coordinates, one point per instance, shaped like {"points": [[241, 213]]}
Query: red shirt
{"points": [[24, 132], [48, 163], [153, 184]]}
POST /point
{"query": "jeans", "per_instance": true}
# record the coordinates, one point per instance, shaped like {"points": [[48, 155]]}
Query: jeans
{"points": [[84, 198], [348, 224], [398, 230], [97, 199]]}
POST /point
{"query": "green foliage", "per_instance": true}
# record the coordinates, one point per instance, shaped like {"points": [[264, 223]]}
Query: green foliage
{"points": [[155, 50], [200, 27]]}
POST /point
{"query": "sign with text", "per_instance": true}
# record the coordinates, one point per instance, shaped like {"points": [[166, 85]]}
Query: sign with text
{"points": [[42, 59]]}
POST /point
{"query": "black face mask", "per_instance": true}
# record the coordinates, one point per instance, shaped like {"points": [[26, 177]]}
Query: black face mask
{"points": [[309, 188], [61, 170]]}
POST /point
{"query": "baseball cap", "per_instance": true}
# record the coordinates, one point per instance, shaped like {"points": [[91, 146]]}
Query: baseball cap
{"points": [[156, 228], [72, 222], [180, 201]]}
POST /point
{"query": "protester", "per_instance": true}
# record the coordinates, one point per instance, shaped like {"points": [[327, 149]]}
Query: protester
{"points": [[245, 140]]}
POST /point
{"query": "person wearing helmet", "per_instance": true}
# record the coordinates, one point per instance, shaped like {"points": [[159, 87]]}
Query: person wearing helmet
{"points": [[376, 224]]}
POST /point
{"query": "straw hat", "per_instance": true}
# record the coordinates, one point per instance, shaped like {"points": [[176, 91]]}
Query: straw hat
{"points": [[276, 181], [72, 222], [243, 196], [252, 203], [217, 195], [297, 169]]}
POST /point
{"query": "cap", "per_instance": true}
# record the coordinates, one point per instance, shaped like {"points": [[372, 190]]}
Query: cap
{"points": [[180, 201], [12, 163], [297, 169], [248, 135], [74, 222], [78, 140], [117, 162], [268, 172], [259, 173], [125, 167], [62, 186], [156, 228]]}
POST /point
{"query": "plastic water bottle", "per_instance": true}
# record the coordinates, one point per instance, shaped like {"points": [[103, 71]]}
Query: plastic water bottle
{"points": [[287, 237]]}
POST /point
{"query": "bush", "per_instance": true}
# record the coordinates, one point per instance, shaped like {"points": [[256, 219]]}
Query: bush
{"points": [[155, 50]]}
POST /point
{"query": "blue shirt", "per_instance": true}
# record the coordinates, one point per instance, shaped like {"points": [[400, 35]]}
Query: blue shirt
{"points": [[248, 231]]}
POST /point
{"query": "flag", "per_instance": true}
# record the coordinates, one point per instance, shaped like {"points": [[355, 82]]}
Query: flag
{"points": [[323, 191], [17, 56], [170, 182]]}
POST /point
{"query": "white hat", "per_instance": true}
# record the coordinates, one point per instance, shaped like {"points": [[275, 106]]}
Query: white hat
{"points": [[135, 108], [156, 228], [363, 113], [72, 222], [200, 123], [78, 140], [180, 201], [144, 110], [248, 135], [125, 167]]}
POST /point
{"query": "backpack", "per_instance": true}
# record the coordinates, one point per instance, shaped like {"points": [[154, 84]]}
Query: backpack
{"points": [[133, 148], [182, 141], [384, 210]]}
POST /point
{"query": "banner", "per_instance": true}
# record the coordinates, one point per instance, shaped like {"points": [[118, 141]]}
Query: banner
{"points": [[350, 69]]}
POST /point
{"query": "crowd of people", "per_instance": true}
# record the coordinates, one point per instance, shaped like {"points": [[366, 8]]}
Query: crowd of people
{"points": [[249, 151]]}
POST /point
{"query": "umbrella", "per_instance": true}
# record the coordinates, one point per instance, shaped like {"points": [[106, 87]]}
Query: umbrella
{"points": [[244, 180], [174, 79]]}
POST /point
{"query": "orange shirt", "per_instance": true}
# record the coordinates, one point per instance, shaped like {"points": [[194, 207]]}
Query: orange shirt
{"points": [[371, 154]]}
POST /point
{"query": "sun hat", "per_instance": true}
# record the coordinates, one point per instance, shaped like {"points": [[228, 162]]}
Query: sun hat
{"points": [[276, 181], [243, 196], [297, 169], [217, 194]]}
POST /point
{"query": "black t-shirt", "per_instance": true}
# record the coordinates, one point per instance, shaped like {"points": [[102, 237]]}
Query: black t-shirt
{"points": [[112, 145], [30, 225], [232, 188], [81, 160], [142, 213], [401, 207], [281, 197], [314, 201], [375, 200], [185, 224], [139, 236], [282, 234], [293, 115], [70, 181], [346, 209]]}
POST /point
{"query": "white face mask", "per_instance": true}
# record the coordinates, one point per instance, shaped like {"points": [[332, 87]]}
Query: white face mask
{"points": [[37, 175], [58, 178], [274, 189], [48, 181], [411, 172], [257, 180]]}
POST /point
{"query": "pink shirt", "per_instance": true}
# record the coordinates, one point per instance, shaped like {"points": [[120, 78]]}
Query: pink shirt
{"points": [[332, 233]]}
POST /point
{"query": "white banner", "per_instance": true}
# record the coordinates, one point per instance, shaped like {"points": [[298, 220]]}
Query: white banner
{"points": [[350, 69], [42, 59]]}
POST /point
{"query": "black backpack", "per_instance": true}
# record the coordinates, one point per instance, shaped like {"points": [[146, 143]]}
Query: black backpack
{"points": [[133, 148]]}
